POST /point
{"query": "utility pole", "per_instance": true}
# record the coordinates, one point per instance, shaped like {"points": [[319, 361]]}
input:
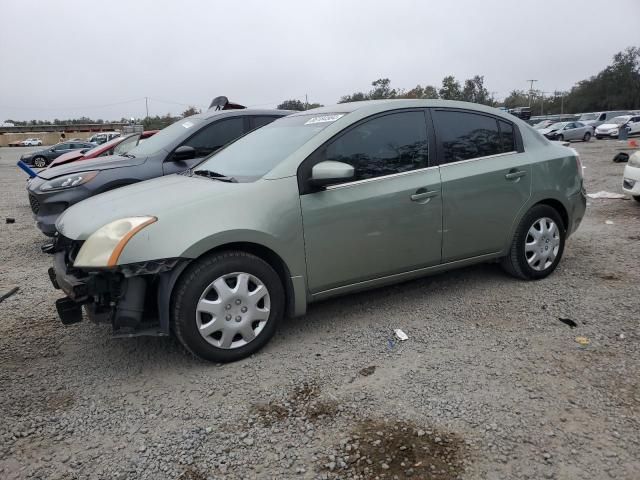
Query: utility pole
{"points": [[306, 102], [146, 105], [531, 90]]}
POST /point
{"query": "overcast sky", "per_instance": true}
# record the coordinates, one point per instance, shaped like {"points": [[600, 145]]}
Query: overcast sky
{"points": [[70, 58]]}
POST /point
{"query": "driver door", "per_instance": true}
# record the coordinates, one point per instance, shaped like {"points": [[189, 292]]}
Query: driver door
{"points": [[207, 140], [387, 219]]}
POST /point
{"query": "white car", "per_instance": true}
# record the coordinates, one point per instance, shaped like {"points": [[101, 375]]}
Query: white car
{"points": [[31, 142], [631, 177], [612, 127]]}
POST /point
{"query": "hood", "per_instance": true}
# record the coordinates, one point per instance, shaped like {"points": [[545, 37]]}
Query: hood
{"points": [[608, 126], [544, 131], [158, 197], [99, 163], [67, 158]]}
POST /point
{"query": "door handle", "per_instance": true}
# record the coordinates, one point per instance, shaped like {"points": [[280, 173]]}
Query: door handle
{"points": [[514, 175], [423, 194]]}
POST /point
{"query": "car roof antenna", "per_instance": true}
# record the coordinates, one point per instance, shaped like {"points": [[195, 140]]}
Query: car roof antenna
{"points": [[223, 103]]}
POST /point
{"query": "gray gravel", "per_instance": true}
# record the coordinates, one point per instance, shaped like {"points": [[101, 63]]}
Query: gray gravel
{"points": [[490, 385]]}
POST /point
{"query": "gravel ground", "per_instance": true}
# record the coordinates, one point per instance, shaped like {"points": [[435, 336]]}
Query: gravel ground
{"points": [[490, 384]]}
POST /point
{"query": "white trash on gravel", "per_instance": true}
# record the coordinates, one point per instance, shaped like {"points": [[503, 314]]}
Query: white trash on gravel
{"points": [[605, 194], [400, 335]]}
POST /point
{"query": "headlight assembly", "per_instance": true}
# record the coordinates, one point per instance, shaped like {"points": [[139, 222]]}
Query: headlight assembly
{"points": [[104, 246], [68, 181]]}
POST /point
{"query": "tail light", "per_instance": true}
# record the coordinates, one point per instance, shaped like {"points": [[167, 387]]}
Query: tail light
{"points": [[578, 162]]}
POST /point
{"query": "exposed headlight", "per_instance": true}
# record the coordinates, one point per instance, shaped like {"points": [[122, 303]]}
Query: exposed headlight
{"points": [[634, 160], [68, 181], [104, 246]]}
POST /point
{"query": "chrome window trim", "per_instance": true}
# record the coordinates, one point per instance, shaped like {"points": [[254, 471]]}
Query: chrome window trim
{"points": [[479, 158], [374, 179]]}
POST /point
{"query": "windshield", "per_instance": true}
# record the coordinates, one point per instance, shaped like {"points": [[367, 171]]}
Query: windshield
{"points": [[166, 137], [255, 154], [588, 116], [542, 124], [619, 120], [106, 145], [557, 126]]}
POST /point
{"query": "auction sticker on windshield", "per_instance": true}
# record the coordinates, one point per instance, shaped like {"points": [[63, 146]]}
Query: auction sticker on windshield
{"points": [[187, 124], [324, 119]]}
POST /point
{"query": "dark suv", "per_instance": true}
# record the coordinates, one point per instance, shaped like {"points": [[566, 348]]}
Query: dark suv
{"points": [[176, 148], [42, 158]]}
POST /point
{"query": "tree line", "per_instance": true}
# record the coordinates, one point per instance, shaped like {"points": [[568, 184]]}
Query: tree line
{"points": [[616, 87]]}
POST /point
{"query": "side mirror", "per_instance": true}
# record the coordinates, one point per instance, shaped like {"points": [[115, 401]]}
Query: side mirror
{"points": [[330, 172], [185, 152]]}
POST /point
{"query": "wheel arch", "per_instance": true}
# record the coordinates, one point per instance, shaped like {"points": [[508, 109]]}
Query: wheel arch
{"points": [[558, 206], [261, 251]]}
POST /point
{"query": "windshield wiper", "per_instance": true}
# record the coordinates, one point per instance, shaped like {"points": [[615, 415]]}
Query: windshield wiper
{"points": [[215, 176]]}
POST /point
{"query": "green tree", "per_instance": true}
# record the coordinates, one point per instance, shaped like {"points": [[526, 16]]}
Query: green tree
{"points": [[475, 91], [450, 89], [190, 111], [297, 105], [382, 90]]}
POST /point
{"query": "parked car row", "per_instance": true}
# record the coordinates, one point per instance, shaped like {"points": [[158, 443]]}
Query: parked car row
{"points": [[568, 131], [602, 125], [27, 142], [243, 228]]}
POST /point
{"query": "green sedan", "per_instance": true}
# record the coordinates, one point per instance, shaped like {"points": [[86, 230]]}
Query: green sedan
{"points": [[317, 204]]}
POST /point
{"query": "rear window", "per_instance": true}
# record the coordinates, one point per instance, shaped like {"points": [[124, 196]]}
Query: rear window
{"points": [[466, 135]]}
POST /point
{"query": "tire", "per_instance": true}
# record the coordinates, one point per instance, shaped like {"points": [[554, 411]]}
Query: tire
{"points": [[636, 198], [520, 261], [40, 162], [587, 137], [207, 285], [560, 138]]}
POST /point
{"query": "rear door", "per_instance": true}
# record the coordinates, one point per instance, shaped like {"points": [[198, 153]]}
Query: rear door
{"points": [[486, 180], [387, 219], [207, 140]]}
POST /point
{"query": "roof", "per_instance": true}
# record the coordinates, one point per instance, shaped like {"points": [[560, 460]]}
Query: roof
{"points": [[373, 106], [240, 112]]}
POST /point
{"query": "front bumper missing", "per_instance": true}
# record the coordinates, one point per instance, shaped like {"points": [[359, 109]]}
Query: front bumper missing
{"points": [[128, 297]]}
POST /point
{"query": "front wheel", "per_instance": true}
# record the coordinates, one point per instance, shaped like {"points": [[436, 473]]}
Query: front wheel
{"points": [[636, 198], [587, 137], [537, 245], [227, 306], [560, 138], [40, 162]]}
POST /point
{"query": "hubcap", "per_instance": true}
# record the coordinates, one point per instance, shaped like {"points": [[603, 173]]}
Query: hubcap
{"points": [[542, 244], [39, 162], [233, 310]]}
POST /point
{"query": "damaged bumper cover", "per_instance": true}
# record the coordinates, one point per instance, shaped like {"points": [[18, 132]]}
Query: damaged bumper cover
{"points": [[134, 298]]}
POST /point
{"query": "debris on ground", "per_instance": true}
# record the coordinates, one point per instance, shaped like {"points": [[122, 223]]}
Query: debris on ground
{"points": [[584, 341], [400, 335], [10, 220], [568, 321], [9, 293], [608, 222], [366, 371], [608, 195]]}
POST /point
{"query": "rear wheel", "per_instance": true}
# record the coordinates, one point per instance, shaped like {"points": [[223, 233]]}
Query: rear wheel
{"points": [[587, 137], [537, 245], [40, 162], [227, 306]]}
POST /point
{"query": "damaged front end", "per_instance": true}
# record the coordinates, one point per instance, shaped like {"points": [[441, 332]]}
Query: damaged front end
{"points": [[134, 298]]}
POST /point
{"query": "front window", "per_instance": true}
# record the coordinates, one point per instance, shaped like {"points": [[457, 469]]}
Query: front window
{"points": [[166, 137], [386, 145], [258, 152]]}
